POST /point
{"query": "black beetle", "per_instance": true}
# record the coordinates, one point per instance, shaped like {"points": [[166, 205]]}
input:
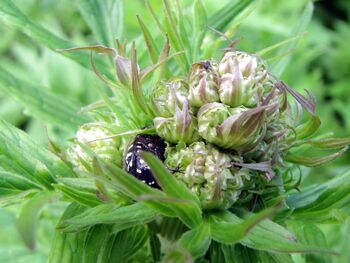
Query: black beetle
{"points": [[135, 165]]}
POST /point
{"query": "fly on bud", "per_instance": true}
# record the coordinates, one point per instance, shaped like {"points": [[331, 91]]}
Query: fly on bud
{"points": [[242, 79], [182, 127], [168, 95], [204, 83]]}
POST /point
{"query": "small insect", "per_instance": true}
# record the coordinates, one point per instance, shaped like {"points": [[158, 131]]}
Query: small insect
{"points": [[135, 165], [205, 64]]}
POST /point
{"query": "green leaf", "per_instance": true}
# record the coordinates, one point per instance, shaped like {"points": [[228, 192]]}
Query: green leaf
{"points": [[137, 190], [278, 67], [197, 240], [104, 18], [68, 247], [318, 203], [314, 161], [122, 217], [232, 232], [238, 253], [150, 42], [13, 17], [28, 219], [41, 103], [267, 236], [308, 128], [328, 143], [190, 213], [21, 155], [222, 18]]}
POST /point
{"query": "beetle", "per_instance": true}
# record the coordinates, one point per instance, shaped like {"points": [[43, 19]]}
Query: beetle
{"points": [[135, 165]]}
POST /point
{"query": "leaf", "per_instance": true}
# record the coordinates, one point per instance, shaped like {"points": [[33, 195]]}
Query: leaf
{"points": [[68, 248], [318, 203], [29, 216], [222, 18], [122, 217], [150, 42], [12, 16], [238, 253], [21, 155], [197, 240], [278, 67], [104, 18], [135, 189], [314, 161], [328, 143], [190, 214], [41, 103], [232, 232], [267, 236]]}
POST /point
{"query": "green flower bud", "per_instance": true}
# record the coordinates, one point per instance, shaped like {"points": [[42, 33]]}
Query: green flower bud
{"points": [[93, 135], [182, 127], [204, 81], [242, 79], [123, 69], [231, 128], [169, 95], [208, 173]]}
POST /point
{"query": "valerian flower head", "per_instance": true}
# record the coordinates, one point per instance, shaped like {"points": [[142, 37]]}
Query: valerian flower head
{"points": [[168, 95], [231, 128], [208, 173], [182, 127], [204, 83], [95, 137], [242, 79]]}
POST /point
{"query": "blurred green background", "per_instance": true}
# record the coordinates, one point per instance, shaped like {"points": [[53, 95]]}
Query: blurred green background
{"points": [[320, 63]]}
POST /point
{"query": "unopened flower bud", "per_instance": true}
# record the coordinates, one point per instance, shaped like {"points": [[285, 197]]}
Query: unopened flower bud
{"points": [[168, 95], [242, 79], [123, 69], [236, 128], [182, 127], [204, 81], [208, 173], [95, 136]]}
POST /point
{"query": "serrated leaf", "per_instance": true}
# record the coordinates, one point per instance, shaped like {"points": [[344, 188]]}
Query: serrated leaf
{"points": [[29, 216], [41, 103], [122, 217], [190, 213], [12, 16]]}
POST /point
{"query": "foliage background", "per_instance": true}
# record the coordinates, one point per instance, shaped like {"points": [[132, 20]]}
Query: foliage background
{"points": [[320, 62]]}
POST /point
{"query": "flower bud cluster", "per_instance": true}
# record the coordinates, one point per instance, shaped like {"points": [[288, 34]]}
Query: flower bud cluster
{"points": [[225, 113]]}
